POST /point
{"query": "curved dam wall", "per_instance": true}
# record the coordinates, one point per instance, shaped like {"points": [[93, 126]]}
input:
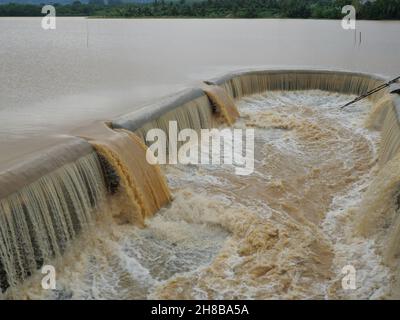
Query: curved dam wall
{"points": [[47, 199], [50, 197], [249, 82], [36, 165], [378, 213], [189, 109], [385, 113]]}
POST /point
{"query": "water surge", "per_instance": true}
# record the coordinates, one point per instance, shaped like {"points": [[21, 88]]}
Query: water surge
{"points": [[325, 189]]}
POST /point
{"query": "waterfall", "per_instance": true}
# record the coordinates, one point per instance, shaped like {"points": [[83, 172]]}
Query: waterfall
{"points": [[190, 109], [38, 221], [378, 112], [145, 190], [384, 117], [390, 136], [378, 214], [378, 211], [51, 197], [223, 103], [196, 114], [251, 82]]}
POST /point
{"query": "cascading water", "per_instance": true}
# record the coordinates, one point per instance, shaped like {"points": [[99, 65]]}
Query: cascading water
{"points": [[324, 194], [378, 113], [144, 189], [247, 83], [390, 144], [39, 221], [223, 102], [194, 114]]}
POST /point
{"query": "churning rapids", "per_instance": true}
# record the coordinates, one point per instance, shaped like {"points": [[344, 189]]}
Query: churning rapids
{"points": [[286, 231]]}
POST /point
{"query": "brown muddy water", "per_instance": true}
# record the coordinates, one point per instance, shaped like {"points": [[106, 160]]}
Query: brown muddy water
{"points": [[81, 196], [52, 82], [285, 231]]}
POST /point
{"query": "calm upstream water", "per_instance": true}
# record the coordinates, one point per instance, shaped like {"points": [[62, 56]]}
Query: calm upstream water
{"points": [[52, 82]]}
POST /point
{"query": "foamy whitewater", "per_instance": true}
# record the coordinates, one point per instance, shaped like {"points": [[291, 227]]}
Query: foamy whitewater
{"points": [[284, 232]]}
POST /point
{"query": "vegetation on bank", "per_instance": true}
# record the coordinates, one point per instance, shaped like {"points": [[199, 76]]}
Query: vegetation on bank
{"points": [[318, 9]]}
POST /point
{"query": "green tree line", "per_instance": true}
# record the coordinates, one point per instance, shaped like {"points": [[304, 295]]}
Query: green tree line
{"points": [[319, 9]]}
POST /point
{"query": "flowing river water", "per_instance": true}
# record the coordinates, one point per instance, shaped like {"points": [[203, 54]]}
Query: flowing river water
{"points": [[285, 231], [323, 194]]}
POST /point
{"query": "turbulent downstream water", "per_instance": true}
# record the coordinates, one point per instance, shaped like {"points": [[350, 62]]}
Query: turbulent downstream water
{"points": [[285, 231]]}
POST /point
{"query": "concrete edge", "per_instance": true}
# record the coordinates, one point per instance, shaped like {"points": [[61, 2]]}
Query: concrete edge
{"points": [[229, 76], [41, 163], [136, 119]]}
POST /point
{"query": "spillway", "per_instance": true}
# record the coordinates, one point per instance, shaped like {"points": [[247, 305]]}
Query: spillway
{"points": [[324, 188], [45, 202]]}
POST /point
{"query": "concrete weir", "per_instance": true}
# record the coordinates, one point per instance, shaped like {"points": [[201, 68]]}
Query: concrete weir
{"points": [[34, 166], [385, 113], [247, 82], [47, 198], [135, 120]]}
